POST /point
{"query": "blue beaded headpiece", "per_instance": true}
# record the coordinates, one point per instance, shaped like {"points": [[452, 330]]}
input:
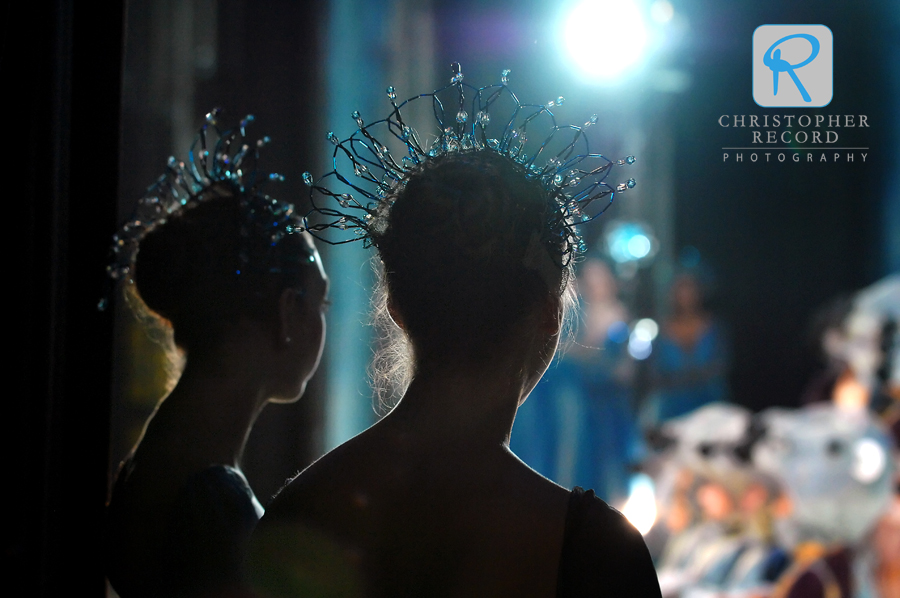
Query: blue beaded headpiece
{"points": [[574, 177], [219, 163]]}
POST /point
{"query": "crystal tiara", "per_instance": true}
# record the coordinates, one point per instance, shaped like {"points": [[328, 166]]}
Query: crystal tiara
{"points": [[574, 177], [218, 161]]}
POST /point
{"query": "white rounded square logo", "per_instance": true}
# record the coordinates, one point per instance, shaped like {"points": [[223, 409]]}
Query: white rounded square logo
{"points": [[793, 66]]}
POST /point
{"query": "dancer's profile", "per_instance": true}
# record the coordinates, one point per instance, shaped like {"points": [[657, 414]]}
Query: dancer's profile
{"points": [[243, 289]]}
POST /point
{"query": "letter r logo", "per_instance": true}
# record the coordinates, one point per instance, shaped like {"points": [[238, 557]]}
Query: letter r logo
{"points": [[793, 66]]}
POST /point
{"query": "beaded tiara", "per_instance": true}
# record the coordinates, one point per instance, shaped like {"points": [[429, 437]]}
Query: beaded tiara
{"points": [[574, 177], [219, 162]]}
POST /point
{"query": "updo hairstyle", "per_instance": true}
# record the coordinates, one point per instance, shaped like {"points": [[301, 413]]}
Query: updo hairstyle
{"points": [[459, 249], [205, 269]]}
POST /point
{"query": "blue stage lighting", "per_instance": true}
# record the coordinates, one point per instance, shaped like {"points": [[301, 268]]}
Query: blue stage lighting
{"points": [[630, 242]]}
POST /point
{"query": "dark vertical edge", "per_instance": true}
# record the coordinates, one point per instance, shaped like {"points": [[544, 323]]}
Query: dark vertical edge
{"points": [[28, 72], [72, 130]]}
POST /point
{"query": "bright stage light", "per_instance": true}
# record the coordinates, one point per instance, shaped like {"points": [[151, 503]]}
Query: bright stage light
{"points": [[605, 38], [640, 341], [647, 327], [639, 345], [662, 11], [640, 508], [869, 461], [639, 246], [630, 242]]}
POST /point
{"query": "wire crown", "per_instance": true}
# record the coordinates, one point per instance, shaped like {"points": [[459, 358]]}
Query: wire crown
{"points": [[219, 163], [574, 177]]}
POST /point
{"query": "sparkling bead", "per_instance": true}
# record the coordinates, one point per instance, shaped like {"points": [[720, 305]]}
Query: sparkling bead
{"points": [[360, 169], [307, 179], [462, 116], [558, 179], [276, 177], [574, 182], [333, 138], [631, 183], [483, 118], [591, 121], [357, 118], [457, 73], [344, 200], [504, 76], [405, 133], [391, 93], [630, 159]]}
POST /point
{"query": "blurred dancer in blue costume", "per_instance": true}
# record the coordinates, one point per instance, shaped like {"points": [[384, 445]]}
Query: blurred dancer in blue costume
{"points": [[578, 426], [690, 358]]}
